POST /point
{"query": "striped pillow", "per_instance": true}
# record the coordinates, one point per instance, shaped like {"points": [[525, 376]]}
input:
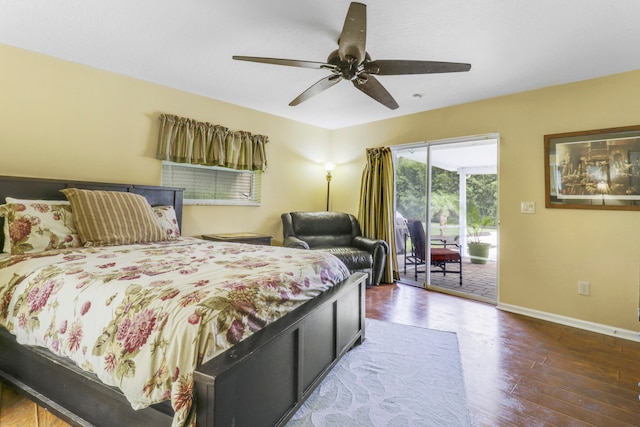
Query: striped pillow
{"points": [[113, 217]]}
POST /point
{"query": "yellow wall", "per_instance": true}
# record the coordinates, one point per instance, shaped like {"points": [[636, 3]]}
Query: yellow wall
{"points": [[64, 120], [542, 256]]}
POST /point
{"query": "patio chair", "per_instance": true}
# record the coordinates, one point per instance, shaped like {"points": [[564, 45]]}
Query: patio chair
{"points": [[441, 257]]}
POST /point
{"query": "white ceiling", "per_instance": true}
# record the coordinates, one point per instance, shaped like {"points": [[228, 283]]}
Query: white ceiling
{"points": [[513, 46]]}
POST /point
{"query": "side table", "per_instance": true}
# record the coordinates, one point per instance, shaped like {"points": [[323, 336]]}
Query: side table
{"points": [[251, 238]]}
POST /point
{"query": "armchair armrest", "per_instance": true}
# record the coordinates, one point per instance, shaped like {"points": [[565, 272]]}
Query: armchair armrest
{"points": [[379, 250], [370, 245], [294, 242]]}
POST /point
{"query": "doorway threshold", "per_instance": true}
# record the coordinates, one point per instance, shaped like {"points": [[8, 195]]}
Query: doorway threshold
{"points": [[466, 295], [407, 281]]}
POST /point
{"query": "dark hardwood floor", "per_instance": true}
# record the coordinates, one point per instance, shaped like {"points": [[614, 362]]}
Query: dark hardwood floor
{"points": [[521, 371], [518, 371]]}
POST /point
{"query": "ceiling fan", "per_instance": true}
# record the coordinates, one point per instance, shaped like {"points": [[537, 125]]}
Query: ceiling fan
{"points": [[352, 62]]}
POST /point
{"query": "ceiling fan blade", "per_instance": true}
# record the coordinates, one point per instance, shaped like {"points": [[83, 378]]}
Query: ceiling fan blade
{"points": [[353, 39], [396, 67], [372, 87], [319, 86], [288, 62]]}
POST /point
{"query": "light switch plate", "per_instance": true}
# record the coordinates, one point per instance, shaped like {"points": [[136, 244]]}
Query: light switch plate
{"points": [[528, 207]]}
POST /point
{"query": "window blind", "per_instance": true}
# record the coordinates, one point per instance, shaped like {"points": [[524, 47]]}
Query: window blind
{"points": [[206, 185]]}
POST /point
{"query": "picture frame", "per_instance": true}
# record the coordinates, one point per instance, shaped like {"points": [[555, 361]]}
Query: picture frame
{"points": [[594, 169]]}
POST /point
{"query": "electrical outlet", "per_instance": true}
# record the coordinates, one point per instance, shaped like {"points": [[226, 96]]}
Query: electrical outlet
{"points": [[583, 288]]}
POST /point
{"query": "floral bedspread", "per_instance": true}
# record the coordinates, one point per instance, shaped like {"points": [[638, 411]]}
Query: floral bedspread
{"points": [[142, 317]]}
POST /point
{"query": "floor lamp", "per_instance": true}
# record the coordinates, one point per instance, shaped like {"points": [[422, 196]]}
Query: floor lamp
{"points": [[329, 168]]}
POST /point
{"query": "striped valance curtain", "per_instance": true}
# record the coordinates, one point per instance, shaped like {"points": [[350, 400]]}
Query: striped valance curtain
{"points": [[185, 140]]}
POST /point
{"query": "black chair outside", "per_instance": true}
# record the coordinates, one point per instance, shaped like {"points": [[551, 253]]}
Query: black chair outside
{"points": [[415, 256], [441, 257]]}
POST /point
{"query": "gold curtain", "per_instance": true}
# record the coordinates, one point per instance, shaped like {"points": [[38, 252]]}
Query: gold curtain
{"points": [[376, 215], [183, 140]]}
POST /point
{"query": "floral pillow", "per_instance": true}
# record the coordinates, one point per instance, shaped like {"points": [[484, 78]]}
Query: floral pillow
{"points": [[37, 225], [166, 216]]}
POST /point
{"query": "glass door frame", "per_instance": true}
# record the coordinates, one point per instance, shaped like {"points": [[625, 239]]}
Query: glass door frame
{"points": [[474, 140]]}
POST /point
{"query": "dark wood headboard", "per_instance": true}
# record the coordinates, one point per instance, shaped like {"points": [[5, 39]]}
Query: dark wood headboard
{"points": [[49, 189]]}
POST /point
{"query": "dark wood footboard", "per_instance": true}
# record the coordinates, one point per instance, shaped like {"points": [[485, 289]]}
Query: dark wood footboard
{"points": [[261, 381]]}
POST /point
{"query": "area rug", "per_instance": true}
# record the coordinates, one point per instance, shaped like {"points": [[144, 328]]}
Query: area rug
{"points": [[400, 376]]}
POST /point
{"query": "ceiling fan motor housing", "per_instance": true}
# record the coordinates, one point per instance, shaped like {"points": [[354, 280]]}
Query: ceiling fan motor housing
{"points": [[349, 69]]}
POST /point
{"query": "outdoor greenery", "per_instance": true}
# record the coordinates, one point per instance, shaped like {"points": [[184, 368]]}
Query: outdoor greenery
{"points": [[443, 205], [482, 191], [411, 190], [476, 223]]}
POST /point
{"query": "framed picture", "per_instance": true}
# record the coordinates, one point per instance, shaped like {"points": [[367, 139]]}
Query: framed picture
{"points": [[595, 169]]}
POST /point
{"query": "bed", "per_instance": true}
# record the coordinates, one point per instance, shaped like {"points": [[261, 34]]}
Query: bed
{"points": [[261, 380]]}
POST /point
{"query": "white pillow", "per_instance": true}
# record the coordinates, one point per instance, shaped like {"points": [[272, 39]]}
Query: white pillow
{"points": [[166, 217]]}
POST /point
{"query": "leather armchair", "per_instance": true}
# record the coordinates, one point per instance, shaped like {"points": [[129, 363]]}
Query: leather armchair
{"points": [[339, 234]]}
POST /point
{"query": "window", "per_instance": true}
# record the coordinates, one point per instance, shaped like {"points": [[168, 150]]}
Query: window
{"points": [[210, 185]]}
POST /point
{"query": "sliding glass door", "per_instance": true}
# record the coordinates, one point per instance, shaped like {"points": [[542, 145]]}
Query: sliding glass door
{"points": [[446, 198], [411, 189]]}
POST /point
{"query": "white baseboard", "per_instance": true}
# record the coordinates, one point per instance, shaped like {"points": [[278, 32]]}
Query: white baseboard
{"points": [[569, 321]]}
